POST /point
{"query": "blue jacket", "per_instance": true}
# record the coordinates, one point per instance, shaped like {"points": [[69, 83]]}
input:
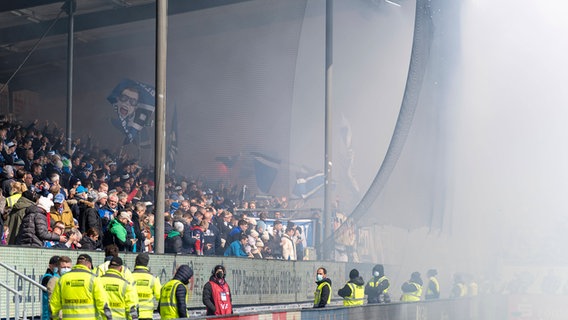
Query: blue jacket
{"points": [[236, 250]]}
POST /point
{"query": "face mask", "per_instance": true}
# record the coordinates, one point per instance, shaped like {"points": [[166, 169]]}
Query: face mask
{"points": [[219, 274], [319, 277], [64, 270], [376, 273], [55, 270]]}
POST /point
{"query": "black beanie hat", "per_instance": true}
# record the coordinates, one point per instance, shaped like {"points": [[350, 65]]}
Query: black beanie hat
{"points": [[142, 259], [353, 274]]}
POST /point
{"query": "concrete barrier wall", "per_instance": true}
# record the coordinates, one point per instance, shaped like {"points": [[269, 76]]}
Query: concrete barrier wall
{"points": [[252, 281]]}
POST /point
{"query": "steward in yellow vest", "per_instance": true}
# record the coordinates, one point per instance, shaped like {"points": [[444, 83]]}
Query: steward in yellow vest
{"points": [[80, 294], [122, 297], [353, 293], [433, 291], [174, 294], [412, 289], [147, 286], [377, 289], [322, 296]]}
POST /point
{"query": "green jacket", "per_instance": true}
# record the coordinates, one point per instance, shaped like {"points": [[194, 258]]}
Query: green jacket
{"points": [[118, 230]]}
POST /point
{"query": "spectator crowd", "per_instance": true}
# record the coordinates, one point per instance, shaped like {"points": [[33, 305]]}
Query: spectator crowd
{"points": [[90, 197]]}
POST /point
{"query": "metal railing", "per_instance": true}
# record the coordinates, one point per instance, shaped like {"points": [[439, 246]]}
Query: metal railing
{"points": [[18, 296]]}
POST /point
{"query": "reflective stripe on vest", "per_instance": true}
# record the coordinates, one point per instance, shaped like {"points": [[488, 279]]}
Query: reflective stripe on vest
{"points": [[379, 281], [436, 285], [356, 298], [412, 296], [76, 305], [317, 294], [144, 282], [168, 301]]}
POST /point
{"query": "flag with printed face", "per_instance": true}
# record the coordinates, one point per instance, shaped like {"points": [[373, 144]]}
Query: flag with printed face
{"points": [[134, 103]]}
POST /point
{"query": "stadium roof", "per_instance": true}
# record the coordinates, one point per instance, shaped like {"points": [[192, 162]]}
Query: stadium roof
{"points": [[97, 22]]}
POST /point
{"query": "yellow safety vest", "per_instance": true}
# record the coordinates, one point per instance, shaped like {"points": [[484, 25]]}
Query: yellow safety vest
{"points": [[412, 296], [148, 287], [122, 297], [168, 301], [80, 295], [103, 267], [462, 290], [357, 296], [376, 283], [11, 200], [436, 284], [319, 289]]}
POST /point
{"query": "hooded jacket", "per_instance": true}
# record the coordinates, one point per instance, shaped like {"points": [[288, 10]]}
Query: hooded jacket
{"points": [[378, 285], [183, 275], [16, 216], [33, 231]]}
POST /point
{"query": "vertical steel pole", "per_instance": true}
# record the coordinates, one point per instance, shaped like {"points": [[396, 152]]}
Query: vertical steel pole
{"points": [[70, 6], [327, 208], [160, 152]]}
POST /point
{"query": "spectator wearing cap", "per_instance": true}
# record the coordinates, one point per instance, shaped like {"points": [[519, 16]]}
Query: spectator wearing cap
{"points": [[61, 212], [353, 293], [122, 296], [147, 286], [117, 234], [34, 229], [174, 294], [49, 273], [80, 294]]}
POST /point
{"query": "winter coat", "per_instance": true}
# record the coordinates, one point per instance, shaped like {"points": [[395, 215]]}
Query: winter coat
{"points": [[33, 231], [288, 248], [89, 217], [65, 216], [16, 216]]}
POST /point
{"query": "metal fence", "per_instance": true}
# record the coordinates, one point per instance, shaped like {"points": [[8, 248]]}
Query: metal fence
{"points": [[19, 293]]}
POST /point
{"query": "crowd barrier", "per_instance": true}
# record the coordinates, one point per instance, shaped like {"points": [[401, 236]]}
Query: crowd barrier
{"points": [[252, 281], [276, 282]]}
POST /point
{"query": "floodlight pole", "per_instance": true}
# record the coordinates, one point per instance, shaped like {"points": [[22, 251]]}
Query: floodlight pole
{"points": [[328, 246], [70, 7], [160, 150]]}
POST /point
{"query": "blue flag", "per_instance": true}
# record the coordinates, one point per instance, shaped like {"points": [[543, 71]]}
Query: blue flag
{"points": [[173, 149], [308, 186], [266, 169]]}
